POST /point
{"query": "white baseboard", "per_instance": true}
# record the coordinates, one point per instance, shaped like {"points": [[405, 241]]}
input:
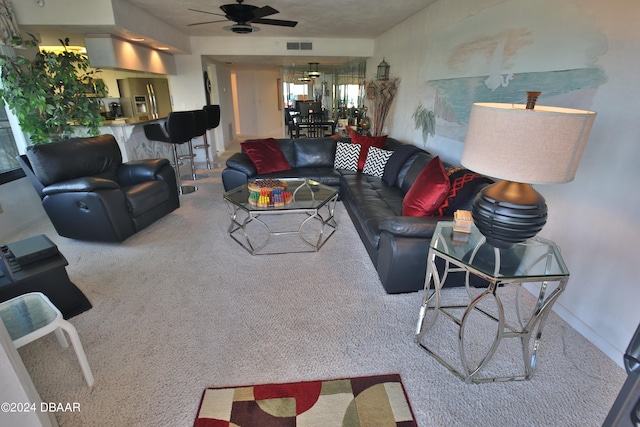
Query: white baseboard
{"points": [[593, 337], [583, 329]]}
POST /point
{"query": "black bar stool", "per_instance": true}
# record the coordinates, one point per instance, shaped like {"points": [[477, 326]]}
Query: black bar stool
{"points": [[199, 129], [178, 130], [213, 121]]}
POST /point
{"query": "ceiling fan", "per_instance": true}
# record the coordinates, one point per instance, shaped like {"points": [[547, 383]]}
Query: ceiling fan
{"points": [[244, 15]]}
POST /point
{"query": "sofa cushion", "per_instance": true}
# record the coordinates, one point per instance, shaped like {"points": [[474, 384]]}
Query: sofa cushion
{"points": [[428, 191], [347, 156], [146, 196], [396, 161], [288, 149], [241, 163], [80, 185], [376, 160], [314, 153], [59, 161], [365, 142], [370, 201], [266, 155], [411, 169], [463, 186]]}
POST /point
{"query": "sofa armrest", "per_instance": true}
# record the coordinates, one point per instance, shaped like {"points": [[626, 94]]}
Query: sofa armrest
{"points": [[139, 171], [411, 226], [242, 163], [80, 185]]}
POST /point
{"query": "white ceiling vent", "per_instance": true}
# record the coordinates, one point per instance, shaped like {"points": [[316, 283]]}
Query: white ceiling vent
{"points": [[299, 46]]}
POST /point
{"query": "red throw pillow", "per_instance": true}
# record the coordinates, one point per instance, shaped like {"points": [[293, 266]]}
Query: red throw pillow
{"points": [[428, 191], [366, 142], [266, 155]]}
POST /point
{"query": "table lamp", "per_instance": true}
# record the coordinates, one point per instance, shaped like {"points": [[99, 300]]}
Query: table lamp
{"points": [[521, 145]]}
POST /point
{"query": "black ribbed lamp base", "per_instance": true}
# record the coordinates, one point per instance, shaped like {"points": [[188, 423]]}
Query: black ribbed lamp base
{"points": [[507, 213]]}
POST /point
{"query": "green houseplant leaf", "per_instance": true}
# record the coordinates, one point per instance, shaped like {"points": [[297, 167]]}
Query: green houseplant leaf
{"points": [[54, 96]]}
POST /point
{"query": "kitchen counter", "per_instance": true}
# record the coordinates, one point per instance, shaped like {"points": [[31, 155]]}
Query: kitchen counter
{"points": [[133, 143], [130, 121]]}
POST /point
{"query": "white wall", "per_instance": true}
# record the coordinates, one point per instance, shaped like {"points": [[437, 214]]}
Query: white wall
{"points": [[593, 218], [21, 208], [221, 94]]}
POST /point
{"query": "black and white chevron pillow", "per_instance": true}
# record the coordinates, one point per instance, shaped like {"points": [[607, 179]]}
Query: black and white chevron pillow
{"points": [[376, 161], [346, 156]]}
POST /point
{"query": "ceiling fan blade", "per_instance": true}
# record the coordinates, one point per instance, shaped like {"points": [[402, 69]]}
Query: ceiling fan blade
{"points": [[278, 22], [204, 11], [207, 22], [261, 12]]}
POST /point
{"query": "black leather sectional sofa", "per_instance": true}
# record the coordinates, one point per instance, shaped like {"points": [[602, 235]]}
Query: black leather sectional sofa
{"points": [[397, 245]]}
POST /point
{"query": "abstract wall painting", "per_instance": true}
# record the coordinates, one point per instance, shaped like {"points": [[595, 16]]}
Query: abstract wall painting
{"points": [[501, 53]]}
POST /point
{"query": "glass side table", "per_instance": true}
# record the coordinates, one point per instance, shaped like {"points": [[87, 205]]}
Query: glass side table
{"points": [[476, 321], [31, 316]]}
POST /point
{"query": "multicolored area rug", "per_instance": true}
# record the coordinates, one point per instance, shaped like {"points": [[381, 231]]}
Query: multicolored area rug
{"points": [[377, 401]]}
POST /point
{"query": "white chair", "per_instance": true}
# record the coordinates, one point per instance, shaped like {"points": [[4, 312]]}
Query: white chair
{"points": [[31, 316]]}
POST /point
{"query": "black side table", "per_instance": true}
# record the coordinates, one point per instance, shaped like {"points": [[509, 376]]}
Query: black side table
{"points": [[48, 276]]}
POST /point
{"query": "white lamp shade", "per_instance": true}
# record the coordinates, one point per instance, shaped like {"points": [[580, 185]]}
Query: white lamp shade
{"points": [[539, 146]]}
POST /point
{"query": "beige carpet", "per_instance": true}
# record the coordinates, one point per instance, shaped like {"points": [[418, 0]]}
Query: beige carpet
{"points": [[180, 307]]}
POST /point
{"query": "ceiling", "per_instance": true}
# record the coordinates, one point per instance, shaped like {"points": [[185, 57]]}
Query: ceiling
{"points": [[344, 19], [316, 18]]}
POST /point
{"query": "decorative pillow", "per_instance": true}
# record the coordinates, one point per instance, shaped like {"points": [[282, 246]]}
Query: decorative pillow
{"points": [[365, 142], [462, 182], [376, 161], [346, 156], [428, 191], [266, 155], [396, 161]]}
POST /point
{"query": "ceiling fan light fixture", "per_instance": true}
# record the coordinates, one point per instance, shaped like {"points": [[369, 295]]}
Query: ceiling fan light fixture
{"points": [[244, 15], [241, 28]]}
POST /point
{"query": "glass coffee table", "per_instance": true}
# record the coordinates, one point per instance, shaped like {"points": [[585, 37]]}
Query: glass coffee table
{"points": [[308, 217]]}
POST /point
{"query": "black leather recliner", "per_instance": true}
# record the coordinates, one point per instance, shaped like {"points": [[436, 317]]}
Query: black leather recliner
{"points": [[90, 194]]}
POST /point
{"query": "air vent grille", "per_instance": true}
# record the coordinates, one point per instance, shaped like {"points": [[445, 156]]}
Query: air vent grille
{"points": [[299, 46]]}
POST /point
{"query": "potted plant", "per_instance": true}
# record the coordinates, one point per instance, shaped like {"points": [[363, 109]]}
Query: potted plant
{"points": [[54, 96]]}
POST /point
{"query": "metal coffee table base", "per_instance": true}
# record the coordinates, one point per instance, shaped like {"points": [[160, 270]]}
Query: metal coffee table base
{"points": [[239, 228]]}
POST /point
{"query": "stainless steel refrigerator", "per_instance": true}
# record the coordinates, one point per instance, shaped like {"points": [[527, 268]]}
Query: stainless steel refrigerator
{"points": [[145, 98]]}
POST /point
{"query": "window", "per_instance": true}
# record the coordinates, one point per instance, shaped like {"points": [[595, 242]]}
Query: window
{"points": [[349, 95], [9, 168], [293, 92]]}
